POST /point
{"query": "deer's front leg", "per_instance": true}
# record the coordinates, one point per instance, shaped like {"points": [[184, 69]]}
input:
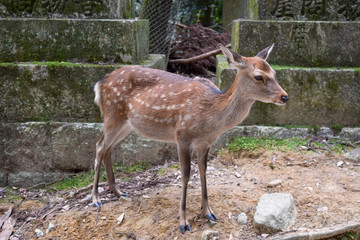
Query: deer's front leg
{"points": [[206, 210], [98, 161], [185, 166]]}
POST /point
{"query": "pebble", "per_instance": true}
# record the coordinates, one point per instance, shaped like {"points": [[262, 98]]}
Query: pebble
{"points": [[340, 164], [50, 227], [242, 219], [238, 175], [126, 199], [146, 196], [274, 183], [120, 219], [322, 209], [39, 233]]}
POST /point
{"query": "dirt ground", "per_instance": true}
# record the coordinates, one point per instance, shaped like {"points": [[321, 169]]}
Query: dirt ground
{"points": [[235, 184]]}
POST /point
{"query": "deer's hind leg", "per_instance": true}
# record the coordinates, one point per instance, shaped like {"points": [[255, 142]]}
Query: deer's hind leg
{"points": [[111, 136]]}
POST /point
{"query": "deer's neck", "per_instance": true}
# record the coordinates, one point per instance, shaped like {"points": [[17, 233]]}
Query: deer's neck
{"points": [[235, 104]]}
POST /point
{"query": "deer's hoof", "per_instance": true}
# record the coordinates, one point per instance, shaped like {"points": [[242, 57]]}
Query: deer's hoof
{"points": [[97, 204], [211, 217], [183, 228]]}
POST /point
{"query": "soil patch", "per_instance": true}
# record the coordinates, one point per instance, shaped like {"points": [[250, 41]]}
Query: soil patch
{"points": [[325, 195]]}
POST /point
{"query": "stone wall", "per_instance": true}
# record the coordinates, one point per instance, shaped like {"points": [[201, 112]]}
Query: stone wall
{"points": [[38, 152], [74, 40], [97, 9], [317, 96], [300, 43], [53, 91], [330, 10]]}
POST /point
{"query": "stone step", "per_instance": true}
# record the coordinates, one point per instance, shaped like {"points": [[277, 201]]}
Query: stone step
{"points": [[300, 43], [121, 9], [37, 152], [55, 91], [318, 96], [74, 40]]}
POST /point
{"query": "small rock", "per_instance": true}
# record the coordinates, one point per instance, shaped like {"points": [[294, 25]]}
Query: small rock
{"points": [[39, 233], [103, 218], [146, 196], [274, 183], [72, 194], [340, 164], [238, 175], [322, 209], [242, 219], [264, 235], [209, 234], [230, 215], [101, 189], [50, 227], [120, 219]]}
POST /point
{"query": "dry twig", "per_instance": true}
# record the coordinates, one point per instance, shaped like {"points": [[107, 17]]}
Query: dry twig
{"points": [[320, 233], [197, 58]]}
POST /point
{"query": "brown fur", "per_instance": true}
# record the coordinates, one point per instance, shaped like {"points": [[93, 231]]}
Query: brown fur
{"points": [[168, 107]]}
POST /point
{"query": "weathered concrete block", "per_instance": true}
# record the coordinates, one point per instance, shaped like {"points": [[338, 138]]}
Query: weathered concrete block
{"points": [[329, 10], [275, 212], [74, 40], [54, 91], [122, 9], [318, 96], [42, 152], [300, 43], [38, 152]]}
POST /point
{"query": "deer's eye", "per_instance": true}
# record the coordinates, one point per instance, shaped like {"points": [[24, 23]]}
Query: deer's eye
{"points": [[259, 78]]}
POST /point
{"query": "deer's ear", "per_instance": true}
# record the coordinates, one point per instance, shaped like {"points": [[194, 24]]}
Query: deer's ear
{"points": [[233, 58], [264, 54]]}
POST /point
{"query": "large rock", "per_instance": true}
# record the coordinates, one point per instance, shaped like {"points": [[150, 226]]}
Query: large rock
{"points": [[68, 9], [275, 212], [55, 91], [318, 96], [300, 43], [353, 155], [74, 40]]}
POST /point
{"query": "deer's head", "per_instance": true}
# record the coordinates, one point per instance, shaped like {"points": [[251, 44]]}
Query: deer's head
{"points": [[255, 77]]}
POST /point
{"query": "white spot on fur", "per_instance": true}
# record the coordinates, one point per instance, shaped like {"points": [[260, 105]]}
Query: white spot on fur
{"points": [[187, 117], [110, 83], [130, 106], [118, 94], [108, 102], [162, 95], [124, 88], [147, 105], [115, 89], [155, 107]]}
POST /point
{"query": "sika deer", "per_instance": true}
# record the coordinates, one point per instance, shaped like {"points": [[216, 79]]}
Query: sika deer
{"points": [[191, 113]]}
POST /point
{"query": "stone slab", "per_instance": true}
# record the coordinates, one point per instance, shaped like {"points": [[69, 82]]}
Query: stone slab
{"points": [[74, 40], [300, 43], [327, 10], [38, 152], [318, 96], [97, 9], [54, 91]]}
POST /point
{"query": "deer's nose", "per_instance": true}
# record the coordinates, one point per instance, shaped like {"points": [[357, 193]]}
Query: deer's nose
{"points": [[284, 98]]}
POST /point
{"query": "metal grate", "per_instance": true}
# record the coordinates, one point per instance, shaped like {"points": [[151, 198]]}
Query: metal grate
{"points": [[162, 16]]}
